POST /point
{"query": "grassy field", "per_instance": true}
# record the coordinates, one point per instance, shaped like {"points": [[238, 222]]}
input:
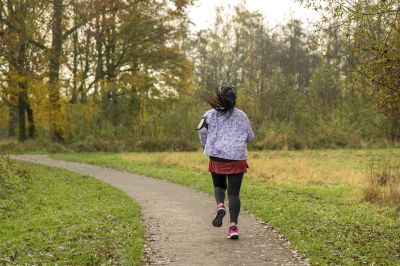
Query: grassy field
{"points": [[52, 216], [314, 198]]}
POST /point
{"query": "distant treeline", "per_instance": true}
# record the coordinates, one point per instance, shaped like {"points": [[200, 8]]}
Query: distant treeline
{"points": [[129, 75]]}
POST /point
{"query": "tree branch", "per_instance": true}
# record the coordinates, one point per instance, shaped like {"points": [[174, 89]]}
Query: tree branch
{"points": [[7, 101]]}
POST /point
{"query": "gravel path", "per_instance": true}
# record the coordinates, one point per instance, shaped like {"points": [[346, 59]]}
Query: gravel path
{"points": [[178, 223]]}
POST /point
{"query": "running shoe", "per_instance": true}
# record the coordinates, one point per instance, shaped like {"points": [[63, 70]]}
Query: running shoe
{"points": [[233, 232], [219, 215]]}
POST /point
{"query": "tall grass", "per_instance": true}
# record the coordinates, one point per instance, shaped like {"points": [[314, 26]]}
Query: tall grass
{"points": [[383, 186]]}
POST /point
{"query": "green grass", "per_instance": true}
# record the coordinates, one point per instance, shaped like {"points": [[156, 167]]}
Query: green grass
{"points": [[325, 222], [53, 216]]}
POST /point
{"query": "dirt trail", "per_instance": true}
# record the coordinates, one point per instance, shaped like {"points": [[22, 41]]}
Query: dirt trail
{"points": [[178, 222]]}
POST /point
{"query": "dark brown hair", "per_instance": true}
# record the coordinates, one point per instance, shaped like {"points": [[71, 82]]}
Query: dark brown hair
{"points": [[224, 100]]}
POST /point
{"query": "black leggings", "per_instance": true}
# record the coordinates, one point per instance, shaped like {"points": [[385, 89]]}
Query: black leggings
{"points": [[234, 184]]}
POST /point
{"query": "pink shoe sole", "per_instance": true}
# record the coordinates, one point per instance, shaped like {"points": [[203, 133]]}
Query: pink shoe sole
{"points": [[234, 236]]}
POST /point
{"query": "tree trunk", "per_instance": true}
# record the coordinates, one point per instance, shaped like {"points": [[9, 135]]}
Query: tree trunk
{"points": [[81, 90], [75, 37], [99, 50], [21, 113], [31, 123], [56, 120], [21, 65], [12, 120], [74, 95]]}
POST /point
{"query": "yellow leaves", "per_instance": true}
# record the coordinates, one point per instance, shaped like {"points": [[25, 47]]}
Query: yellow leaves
{"points": [[89, 112], [140, 80], [3, 115], [38, 101]]}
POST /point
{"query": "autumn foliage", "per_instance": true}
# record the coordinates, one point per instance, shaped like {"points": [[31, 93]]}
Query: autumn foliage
{"points": [[130, 75]]}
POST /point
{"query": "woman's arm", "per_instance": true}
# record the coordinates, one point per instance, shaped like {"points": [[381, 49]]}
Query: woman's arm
{"points": [[202, 129], [250, 132]]}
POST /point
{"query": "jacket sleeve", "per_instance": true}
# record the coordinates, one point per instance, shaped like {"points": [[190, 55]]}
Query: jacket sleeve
{"points": [[202, 130], [250, 132]]}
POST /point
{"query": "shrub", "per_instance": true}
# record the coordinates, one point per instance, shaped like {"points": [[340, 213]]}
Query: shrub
{"points": [[94, 144], [38, 145], [175, 144], [275, 141], [355, 141]]}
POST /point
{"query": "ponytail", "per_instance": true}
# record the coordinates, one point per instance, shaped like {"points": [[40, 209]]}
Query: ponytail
{"points": [[224, 100]]}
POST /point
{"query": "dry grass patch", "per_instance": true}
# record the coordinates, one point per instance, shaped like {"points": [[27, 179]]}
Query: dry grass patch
{"points": [[346, 167], [383, 186]]}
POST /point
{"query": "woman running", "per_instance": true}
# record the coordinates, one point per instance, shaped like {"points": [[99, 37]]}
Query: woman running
{"points": [[224, 133]]}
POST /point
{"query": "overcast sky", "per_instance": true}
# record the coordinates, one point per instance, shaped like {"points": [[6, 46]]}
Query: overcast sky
{"points": [[275, 11]]}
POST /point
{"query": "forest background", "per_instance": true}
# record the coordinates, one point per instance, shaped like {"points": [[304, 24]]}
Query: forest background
{"points": [[114, 75]]}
